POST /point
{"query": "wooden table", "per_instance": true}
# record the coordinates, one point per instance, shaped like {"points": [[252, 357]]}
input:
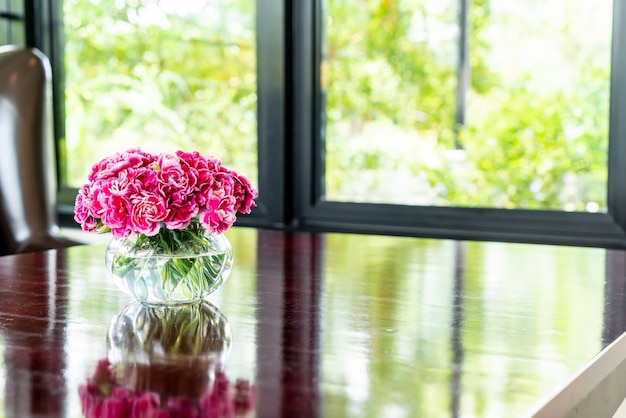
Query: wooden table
{"points": [[338, 325]]}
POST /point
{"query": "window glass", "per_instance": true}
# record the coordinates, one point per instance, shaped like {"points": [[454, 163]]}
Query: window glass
{"points": [[160, 74], [12, 23], [528, 130]]}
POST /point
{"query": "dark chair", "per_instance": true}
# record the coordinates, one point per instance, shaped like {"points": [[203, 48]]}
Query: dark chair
{"points": [[28, 187]]}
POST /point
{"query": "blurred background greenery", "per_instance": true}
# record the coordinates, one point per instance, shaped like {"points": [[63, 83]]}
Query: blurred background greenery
{"points": [[167, 75], [535, 132], [163, 75]]}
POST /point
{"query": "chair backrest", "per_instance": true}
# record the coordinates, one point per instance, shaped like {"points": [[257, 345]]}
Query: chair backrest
{"points": [[28, 220]]}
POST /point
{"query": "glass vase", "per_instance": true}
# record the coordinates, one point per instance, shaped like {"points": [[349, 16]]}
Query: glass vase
{"points": [[173, 267]]}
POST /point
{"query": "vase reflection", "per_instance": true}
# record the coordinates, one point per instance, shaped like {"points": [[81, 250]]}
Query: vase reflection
{"points": [[166, 362]]}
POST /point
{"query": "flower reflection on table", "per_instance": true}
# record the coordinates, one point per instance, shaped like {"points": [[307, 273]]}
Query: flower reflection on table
{"points": [[166, 362]]}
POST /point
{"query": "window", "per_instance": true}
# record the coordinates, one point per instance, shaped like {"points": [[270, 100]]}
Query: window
{"points": [[459, 103], [315, 124], [587, 222], [162, 75]]}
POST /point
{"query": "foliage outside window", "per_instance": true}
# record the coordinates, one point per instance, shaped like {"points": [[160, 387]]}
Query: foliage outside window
{"points": [[163, 75], [536, 128]]}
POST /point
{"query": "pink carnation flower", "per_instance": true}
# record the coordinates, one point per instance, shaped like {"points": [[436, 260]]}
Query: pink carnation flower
{"points": [[244, 194], [219, 214], [148, 210]]}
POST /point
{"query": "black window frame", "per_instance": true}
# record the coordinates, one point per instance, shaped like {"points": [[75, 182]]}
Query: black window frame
{"points": [[290, 145], [519, 225]]}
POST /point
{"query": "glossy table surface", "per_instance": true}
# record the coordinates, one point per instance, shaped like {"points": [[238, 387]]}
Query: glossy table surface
{"points": [[321, 325]]}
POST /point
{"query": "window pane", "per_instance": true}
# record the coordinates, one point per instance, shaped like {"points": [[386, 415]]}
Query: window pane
{"points": [[533, 127], [12, 23], [163, 75]]}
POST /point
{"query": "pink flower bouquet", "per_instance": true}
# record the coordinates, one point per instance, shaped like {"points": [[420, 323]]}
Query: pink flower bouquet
{"points": [[139, 192], [167, 213]]}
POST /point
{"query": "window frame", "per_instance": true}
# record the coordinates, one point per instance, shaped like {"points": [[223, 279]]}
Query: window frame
{"points": [[290, 145]]}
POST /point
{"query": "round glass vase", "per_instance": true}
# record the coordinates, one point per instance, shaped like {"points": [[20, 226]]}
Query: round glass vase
{"points": [[172, 267]]}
